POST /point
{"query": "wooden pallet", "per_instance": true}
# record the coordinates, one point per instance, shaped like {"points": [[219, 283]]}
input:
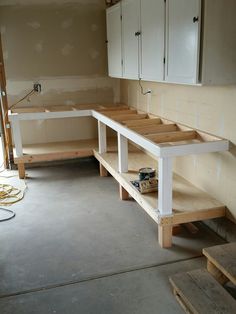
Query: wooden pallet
{"points": [[199, 293], [221, 262]]}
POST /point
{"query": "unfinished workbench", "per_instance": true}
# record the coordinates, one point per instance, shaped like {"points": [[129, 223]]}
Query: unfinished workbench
{"points": [[156, 141]]}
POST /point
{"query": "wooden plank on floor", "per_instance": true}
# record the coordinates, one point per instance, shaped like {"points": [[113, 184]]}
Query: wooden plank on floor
{"points": [[142, 122], [223, 257], [152, 129], [200, 293], [172, 136]]}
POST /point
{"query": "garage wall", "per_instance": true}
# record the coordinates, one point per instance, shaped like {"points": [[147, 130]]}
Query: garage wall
{"points": [[60, 44], [211, 109]]}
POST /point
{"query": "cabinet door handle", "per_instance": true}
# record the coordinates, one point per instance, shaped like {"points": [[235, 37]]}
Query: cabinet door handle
{"points": [[137, 33], [195, 19]]}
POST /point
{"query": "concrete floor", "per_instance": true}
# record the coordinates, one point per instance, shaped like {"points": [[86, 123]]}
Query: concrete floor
{"points": [[74, 247]]}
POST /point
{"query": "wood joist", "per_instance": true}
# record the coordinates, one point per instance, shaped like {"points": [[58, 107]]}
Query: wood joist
{"points": [[157, 130]]}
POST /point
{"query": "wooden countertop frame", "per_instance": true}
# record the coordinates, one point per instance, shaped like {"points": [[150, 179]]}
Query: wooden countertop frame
{"points": [[160, 137]]}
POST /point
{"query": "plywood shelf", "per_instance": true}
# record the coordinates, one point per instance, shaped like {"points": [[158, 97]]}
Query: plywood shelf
{"points": [[189, 203], [57, 151], [60, 146], [60, 150]]}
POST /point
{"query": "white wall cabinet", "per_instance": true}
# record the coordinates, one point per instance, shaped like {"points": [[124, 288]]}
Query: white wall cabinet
{"points": [[182, 40], [152, 40], [113, 15], [131, 38], [177, 41], [218, 61]]}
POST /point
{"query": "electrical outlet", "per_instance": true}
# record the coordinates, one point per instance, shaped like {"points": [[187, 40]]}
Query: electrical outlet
{"points": [[37, 87]]}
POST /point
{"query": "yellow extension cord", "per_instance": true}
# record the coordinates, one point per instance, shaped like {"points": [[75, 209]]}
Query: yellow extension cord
{"points": [[10, 195]]}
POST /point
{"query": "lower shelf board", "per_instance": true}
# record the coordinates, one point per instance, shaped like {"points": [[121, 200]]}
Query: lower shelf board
{"points": [[189, 203], [57, 151]]}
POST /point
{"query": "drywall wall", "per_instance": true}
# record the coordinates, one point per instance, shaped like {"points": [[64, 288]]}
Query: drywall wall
{"points": [[211, 109], [60, 44]]}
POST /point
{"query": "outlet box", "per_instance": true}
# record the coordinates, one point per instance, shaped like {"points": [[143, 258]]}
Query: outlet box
{"points": [[37, 87]]}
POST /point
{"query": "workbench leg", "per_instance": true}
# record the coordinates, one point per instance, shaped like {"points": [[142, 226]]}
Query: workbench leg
{"points": [[21, 171], [165, 236], [122, 153], [102, 137], [124, 195], [165, 186], [103, 171], [16, 132]]}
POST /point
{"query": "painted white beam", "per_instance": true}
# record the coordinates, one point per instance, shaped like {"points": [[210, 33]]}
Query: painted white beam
{"points": [[102, 137], [165, 186], [160, 150], [194, 149], [16, 133], [50, 115], [122, 153]]}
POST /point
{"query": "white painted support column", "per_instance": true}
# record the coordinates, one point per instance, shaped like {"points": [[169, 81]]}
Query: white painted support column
{"points": [[122, 153], [165, 186], [15, 126], [102, 137]]}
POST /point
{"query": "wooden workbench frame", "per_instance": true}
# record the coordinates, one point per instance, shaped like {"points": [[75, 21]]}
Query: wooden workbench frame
{"points": [[122, 122]]}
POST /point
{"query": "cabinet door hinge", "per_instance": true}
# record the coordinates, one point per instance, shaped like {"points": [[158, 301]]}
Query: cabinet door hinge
{"points": [[122, 62]]}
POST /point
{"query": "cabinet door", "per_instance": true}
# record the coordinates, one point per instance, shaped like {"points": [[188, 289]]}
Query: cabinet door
{"points": [[131, 42], [152, 39], [113, 15], [182, 40]]}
